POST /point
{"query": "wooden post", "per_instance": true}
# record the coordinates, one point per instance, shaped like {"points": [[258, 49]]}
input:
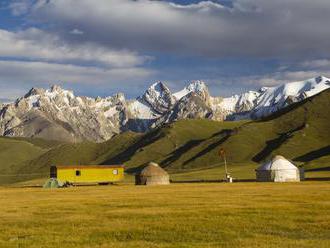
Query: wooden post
{"points": [[225, 160], [222, 154]]}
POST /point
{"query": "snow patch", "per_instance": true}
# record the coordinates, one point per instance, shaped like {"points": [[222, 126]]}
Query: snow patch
{"points": [[141, 110], [195, 86]]}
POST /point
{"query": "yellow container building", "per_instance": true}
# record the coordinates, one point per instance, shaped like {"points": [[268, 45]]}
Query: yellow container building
{"points": [[81, 174]]}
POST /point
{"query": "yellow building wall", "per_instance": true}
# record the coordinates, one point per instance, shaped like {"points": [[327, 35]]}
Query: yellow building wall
{"points": [[90, 175]]}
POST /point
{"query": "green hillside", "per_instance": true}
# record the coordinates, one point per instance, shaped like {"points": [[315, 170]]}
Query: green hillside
{"points": [[171, 144], [14, 151], [17, 151], [24, 158], [299, 132]]}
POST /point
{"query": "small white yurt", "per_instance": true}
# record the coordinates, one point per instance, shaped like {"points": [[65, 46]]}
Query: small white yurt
{"points": [[278, 169]]}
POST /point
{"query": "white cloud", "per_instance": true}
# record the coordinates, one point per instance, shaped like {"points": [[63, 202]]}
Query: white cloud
{"points": [[35, 44], [318, 63], [23, 71], [76, 31], [202, 6], [23, 75]]}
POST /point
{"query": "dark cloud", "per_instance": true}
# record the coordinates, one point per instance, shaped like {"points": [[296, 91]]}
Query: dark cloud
{"points": [[281, 28]]}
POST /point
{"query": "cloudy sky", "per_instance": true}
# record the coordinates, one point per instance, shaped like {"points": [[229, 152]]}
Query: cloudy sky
{"points": [[99, 47]]}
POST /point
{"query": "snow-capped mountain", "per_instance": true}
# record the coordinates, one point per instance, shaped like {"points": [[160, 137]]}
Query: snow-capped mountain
{"points": [[58, 114], [268, 100], [197, 87], [159, 98], [190, 106]]}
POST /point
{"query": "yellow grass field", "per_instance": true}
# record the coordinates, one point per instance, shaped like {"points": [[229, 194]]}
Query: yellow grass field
{"points": [[178, 215]]}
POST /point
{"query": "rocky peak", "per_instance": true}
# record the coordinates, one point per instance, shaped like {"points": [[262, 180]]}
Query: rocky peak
{"points": [[159, 97], [191, 106], [34, 91], [120, 97], [98, 99], [198, 87], [263, 89], [55, 88], [321, 79], [246, 101], [110, 101], [155, 90]]}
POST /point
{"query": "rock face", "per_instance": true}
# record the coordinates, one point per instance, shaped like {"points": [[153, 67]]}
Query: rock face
{"points": [[58, 114], [197, 87], [159, 98], [191, 106]]}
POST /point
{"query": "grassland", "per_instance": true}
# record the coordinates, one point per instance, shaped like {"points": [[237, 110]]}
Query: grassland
{"points": [[178, 215], [16, 152]]}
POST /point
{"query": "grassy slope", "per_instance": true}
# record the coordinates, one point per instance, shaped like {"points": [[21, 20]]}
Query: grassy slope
{"points": [[293, 134], [168, 144], [13, 151], [195, 215]]}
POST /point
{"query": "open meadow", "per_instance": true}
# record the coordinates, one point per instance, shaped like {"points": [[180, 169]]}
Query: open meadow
{"points": [[177, 215]]}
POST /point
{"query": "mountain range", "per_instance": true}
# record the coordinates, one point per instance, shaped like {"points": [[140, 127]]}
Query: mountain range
{"points": [[57, 114]]}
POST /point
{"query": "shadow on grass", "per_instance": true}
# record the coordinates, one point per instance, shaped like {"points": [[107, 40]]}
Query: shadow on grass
{"points": [[137, 146], [274, 144], [271, 145], [226, 133], [324, 151], [176, 154]]}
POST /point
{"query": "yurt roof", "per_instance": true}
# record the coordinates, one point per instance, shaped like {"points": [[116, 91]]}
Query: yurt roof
{"points": [[153, 169], [277, 163]]}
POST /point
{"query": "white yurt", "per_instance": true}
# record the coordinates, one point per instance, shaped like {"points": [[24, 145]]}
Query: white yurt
{"points": [[278, 169]]}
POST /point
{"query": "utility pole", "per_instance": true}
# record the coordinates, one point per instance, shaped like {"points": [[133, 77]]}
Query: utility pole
{"points": [[222, 154]]}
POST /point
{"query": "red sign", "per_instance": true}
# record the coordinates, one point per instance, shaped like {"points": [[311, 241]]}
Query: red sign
{"points": [[222, 152]]}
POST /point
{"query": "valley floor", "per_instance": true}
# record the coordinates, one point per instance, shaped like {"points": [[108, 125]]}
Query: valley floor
{"points": [[178, 215]]}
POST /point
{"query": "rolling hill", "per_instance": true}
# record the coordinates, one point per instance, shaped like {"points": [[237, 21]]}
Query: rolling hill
{"points": [[299, 132]]}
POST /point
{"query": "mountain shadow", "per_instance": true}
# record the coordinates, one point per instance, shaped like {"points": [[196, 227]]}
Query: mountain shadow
{"points": [[147, 139], [274, 144], [176, 154], [225, 133], [324, 151]]}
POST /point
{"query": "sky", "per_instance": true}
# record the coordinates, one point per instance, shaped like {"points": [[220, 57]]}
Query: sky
{"points": [[101, 47]]}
